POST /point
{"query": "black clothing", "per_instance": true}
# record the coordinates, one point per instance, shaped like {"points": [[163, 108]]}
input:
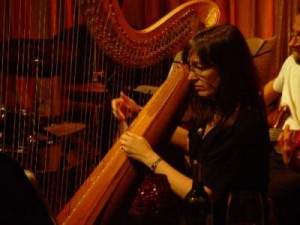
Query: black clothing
{"points": [[236, 158], [284, 192], [19, 202]]}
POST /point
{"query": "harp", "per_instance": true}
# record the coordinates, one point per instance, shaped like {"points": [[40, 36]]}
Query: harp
{"points": [[100, 181], [180, 24]]}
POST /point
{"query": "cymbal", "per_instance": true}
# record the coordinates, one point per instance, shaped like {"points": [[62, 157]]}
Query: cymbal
{"points": [[64, 129]]}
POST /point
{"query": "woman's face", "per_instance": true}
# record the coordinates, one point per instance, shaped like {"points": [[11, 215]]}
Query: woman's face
{"points": [[205, 79]]}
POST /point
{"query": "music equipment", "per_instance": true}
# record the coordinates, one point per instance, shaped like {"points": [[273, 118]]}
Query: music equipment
{"points": [[109, 182], [274, 132], [295, 137], [16, 129], [95, 189]]}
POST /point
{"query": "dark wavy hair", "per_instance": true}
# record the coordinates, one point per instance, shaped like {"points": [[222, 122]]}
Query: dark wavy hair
{"points": [[225, 49]]}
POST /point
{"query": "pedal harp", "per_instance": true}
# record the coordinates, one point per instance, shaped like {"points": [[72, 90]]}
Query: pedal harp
{"points": [[99, 199]]}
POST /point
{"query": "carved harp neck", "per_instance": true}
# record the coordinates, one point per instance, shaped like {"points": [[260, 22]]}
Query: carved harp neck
{"points": [[140, 48]]}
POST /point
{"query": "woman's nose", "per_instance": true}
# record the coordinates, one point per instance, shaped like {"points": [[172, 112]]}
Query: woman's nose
{"points": [[192, 76]]}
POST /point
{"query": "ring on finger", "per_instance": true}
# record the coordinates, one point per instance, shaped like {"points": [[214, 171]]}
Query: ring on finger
{"points": [[122, 148]]}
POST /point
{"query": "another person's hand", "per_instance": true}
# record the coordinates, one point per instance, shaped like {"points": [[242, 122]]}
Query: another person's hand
{"points": [[286, 144], [138, 148], [124, 107]]}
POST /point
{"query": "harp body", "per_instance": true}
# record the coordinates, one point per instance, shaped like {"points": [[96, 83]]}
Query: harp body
{"points": [[97, 199]]}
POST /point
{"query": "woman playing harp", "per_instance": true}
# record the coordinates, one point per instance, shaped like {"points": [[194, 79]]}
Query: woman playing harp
{"points": [[133, 48], [230, 130]]}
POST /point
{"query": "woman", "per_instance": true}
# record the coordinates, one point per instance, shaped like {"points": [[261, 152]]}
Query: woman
{"points": [[230, 131]]}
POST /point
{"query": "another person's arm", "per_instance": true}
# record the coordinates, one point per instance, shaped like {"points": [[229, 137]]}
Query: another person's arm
{"points": [[269, 94]]}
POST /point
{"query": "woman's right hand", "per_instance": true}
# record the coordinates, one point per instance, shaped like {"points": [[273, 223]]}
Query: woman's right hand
{"points": [[124, 107], [138, 148]]}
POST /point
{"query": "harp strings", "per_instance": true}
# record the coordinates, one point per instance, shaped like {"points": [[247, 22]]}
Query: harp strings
{"points": [[44, 81], [57, 82]]}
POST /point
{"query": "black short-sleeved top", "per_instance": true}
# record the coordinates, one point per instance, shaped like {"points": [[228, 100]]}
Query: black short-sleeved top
{"points": [[236, 158]]}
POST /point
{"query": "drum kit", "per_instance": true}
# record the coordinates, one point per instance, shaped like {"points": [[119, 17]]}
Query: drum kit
{"points": [[31, 127], [41, 150], [16, 129], [31, 106]]}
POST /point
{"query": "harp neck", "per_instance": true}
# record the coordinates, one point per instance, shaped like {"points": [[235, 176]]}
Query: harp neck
{"points": [[140, 48]]}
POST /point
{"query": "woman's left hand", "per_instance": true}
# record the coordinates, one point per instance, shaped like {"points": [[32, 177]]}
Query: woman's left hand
{"points": [[138, 148]]}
